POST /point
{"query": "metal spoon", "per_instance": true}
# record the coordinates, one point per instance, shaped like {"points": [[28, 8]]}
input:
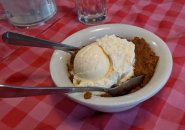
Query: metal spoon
{"points": [[7, 91], [24, 40]]}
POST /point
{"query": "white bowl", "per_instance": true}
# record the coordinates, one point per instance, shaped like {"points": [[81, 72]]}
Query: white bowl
{"points": [[59, 71]]}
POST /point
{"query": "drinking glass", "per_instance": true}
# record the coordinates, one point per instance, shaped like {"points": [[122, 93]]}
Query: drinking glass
{"points": [[28, 12], [90, 11]]}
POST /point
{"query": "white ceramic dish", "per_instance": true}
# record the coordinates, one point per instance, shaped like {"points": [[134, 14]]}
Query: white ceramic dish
{"points": [[59, 71]]}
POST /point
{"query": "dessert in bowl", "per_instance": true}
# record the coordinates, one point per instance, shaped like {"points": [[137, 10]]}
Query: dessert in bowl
{"points": [[60, 59]]}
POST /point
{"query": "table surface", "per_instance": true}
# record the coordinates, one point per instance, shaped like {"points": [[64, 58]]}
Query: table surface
{"points": [[30, 66]]}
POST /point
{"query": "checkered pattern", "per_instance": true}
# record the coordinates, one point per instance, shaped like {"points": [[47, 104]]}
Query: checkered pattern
{"points": [[30, 66]]}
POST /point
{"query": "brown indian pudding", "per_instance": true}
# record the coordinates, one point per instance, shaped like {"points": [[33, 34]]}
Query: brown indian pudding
{"points": [[145, 64]]}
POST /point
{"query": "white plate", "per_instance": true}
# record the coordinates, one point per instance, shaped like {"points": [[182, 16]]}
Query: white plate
{"points": [[59, 73]]}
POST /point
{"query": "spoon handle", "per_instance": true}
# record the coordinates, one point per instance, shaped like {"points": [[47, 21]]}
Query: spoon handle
{"points": [[8, 91], [24, 40]]}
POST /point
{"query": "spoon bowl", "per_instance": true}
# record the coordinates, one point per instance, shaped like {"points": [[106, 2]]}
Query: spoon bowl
{"points": [[8, 91]]}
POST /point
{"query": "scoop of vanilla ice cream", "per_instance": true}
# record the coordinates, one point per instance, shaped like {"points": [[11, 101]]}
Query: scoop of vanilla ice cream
{"points": [[106, 62], [91, 63]]}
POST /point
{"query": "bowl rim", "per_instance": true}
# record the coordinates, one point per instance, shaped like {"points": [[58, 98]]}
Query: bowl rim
{"points": [[130, 98]]}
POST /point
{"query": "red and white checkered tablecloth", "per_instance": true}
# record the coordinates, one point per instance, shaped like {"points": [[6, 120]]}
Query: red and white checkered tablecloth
{"points": [[30, 66]]}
